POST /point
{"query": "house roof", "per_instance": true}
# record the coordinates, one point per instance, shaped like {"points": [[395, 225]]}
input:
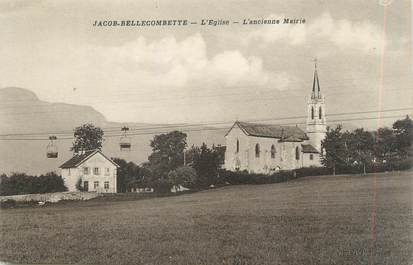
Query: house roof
{"points": [[308, 148], [284, 133], [77, 160]]}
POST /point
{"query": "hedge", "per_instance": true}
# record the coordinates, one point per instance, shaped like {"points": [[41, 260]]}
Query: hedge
{"points": [[20, 183], [243, 177]]}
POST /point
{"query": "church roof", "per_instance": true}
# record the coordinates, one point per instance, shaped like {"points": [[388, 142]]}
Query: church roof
{"points": [[308, 148], [284, 133]]}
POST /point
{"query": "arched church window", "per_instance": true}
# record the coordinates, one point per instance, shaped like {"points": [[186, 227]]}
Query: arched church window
{"points": [[273, 151], [257, 150], [312, 113], [297, 153], [237, 145], [320, 113]]}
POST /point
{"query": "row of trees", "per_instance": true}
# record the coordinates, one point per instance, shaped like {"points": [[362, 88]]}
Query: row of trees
{"points": [[362, 149], [172, 165]]}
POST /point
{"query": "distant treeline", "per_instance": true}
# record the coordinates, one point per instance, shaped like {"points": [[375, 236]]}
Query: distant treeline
{"points": [[20, 183]]}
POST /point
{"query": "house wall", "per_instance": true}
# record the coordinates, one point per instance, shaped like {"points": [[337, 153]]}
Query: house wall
{"points": [[246, 158], [97, 161], [70, 177]]}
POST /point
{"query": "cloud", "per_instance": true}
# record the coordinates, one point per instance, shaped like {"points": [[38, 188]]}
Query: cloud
{"points": [[168, 75], [343, 34]]}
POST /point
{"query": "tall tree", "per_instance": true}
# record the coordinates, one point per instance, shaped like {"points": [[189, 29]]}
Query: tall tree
{"points": [[129, 175], [87, 137], [167, 153], [206, 162], [385, 145], [361, 147], [333, 148], [403, 129]]}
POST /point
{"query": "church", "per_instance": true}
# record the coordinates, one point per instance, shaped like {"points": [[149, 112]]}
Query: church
{"points": [[266, 148]]}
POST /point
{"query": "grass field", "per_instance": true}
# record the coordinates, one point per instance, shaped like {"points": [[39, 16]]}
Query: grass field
{"points": [[313, 220]]}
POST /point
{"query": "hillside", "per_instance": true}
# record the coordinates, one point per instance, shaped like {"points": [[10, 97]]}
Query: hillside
{"points": [[22, 113]]}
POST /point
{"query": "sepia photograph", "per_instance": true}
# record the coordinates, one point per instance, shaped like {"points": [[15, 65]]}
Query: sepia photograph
{"points": [[228, 132]]}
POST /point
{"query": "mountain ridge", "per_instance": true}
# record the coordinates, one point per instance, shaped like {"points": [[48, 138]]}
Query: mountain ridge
{"points": [[26, 114]]}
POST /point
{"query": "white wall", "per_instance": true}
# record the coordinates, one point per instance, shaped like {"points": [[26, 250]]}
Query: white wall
{"points": [[284, 157], [97, 161], [307, 162], [231, 156]]}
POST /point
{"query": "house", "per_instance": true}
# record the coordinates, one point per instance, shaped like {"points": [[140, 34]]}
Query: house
{"points": [[265, 148], [95, 171]]}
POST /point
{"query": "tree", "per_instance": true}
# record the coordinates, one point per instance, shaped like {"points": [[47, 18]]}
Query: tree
{"points": [[51, 182], [167, 155], [183, 176], [333, 148], [361, 147], [167, 152], [386, 145], [206, 162], [87, 137], [129, 175], [403, 129]]}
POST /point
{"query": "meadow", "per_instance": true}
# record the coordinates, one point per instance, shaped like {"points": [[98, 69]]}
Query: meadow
{"points": [[312, 220]]}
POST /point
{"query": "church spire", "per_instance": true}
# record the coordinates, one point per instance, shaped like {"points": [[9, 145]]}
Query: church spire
{"points": [[316, 83]]}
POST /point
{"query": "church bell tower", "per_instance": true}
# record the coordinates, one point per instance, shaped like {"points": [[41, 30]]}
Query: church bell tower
{"points": [[316, 120]]}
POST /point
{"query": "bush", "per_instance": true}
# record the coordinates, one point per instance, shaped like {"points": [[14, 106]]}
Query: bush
{"points": [[402, 164], [161, 185], [186, 176], [9, 203], [79, 186], [20, 183], [252, 178], [312, 171]]}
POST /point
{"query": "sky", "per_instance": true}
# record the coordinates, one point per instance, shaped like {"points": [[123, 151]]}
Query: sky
{"points": [[197, 74]]}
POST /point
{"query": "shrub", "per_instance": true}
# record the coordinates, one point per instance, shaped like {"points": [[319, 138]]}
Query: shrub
{"points": [[9, 203], [161, 185], [187, 176], [20, 183], [79, 186], [312, 171], [252, 178]]}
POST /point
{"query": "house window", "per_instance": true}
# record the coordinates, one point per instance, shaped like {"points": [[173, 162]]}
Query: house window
{"points": [[96, 185], [320, 113], [68, 173], [96, 171], [273, 151], [312, 113], [107, 171], [86, 171], [311, 157], [237, 145], [106, 185], [257, 150], [297, 153]]}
